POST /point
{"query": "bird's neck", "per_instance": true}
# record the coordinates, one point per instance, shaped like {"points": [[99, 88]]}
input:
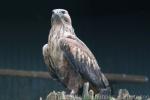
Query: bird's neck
{"points": [[60, 30]]}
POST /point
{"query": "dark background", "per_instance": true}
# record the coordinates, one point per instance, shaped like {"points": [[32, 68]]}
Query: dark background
{"points": [[117, 32]]}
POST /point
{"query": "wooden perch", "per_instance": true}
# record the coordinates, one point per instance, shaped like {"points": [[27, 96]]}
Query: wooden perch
{"points": [[123, 94], [45, 75], [86, 95]]}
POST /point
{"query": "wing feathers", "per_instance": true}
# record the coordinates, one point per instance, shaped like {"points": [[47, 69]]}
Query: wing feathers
{"points": [[48, 61], [83, 60]]}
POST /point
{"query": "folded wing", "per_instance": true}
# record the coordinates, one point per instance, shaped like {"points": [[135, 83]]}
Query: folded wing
{"points": [[83, 61]]}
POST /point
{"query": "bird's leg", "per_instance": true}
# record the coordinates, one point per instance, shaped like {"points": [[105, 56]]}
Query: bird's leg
{"points": [[72, 92]]}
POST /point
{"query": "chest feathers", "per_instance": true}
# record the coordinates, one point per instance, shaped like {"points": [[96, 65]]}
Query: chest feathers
{"points": [[56, 33]]}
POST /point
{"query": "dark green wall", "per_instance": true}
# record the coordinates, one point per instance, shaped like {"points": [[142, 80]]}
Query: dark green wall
{"points": [[118, 42], [118, 35]]}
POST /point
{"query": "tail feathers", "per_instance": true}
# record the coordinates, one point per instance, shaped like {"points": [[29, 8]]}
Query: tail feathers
{"points": [[104, 80], [107, 89], [105, 92]]}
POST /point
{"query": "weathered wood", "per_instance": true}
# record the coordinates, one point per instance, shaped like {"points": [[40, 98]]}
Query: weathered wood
{"points": [[52, 96], [62, 96], [91, 95], [126, 78], [123, 94], [87, 95], [45, 75], [85, 90], [23, 73]]}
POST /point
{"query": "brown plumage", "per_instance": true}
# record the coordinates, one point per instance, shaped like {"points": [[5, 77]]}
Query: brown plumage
{"points": [[69, 60]]}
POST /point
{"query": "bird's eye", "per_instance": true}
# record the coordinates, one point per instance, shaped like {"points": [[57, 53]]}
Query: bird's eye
{"points": [[63, 12]]}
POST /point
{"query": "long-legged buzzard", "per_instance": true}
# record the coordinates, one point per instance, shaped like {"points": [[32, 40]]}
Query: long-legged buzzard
{"points": [[69, 60]]}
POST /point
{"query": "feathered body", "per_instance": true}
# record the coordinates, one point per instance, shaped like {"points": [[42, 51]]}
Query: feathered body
{"points": [[69, 60]]}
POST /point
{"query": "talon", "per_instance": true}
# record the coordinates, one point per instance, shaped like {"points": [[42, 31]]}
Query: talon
{"points": [[72, 92]]}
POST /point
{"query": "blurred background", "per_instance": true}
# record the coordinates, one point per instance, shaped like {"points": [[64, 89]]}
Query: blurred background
{"points": [[116, 31]]}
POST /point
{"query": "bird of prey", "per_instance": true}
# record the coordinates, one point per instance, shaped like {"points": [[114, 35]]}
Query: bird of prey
{"points": [[68, 59]]}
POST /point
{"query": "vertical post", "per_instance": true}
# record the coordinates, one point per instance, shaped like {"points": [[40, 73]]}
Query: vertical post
{"points": [[85, 90], [40, 98]]}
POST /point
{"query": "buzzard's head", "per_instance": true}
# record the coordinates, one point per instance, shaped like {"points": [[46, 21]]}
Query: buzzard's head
{"points": [[60, 16]]}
